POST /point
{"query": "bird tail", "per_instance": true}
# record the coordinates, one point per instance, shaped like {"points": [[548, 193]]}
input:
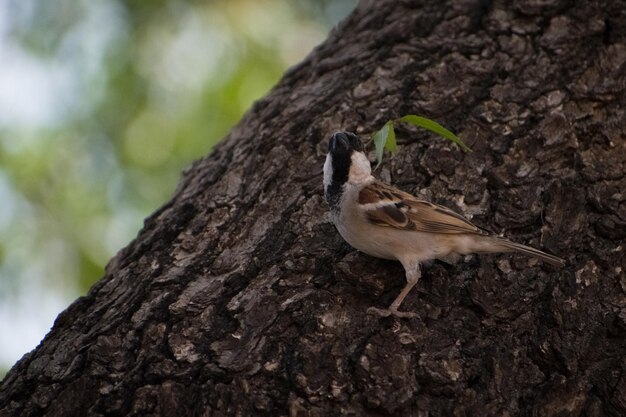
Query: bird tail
{"points": [[508, 246]]}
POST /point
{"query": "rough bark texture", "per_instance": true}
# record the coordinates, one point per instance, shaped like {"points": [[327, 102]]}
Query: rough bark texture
{"points": [[238, 297]]}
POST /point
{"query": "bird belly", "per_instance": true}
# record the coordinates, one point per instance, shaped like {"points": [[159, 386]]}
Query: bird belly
{"points": [[389, 243]]}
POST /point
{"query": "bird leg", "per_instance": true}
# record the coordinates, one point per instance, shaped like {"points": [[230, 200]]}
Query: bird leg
{"points": [[412, 276]]}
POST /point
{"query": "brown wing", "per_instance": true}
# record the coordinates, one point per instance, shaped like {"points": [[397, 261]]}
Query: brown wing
{"points": [[389, 207]]}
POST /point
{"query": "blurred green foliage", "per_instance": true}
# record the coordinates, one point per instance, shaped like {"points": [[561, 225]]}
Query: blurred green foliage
{"points": [[104, 102]]}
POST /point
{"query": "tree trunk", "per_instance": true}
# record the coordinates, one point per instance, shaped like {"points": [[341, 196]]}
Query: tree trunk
{"points": [[238, 297]]}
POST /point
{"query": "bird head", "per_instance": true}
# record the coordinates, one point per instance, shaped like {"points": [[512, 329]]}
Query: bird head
{"points": [[345, 162]]}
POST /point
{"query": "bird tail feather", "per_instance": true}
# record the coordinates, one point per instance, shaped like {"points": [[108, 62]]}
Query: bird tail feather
{"points": [[508, 246]]}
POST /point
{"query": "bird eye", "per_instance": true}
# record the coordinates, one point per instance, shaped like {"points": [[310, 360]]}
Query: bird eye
{"points": [[355, 142]]}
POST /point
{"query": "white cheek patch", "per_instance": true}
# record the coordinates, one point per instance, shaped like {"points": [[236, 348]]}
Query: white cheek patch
{"points": [[360, 168], [328, 171]]}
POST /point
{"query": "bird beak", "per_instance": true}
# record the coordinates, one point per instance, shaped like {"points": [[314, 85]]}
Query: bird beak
{"points": [[339, 142]]}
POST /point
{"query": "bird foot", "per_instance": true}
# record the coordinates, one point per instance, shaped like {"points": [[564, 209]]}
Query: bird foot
{"points": [[386, 312]]}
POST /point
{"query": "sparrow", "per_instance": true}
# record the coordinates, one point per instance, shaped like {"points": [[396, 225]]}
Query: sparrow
{"points": [[382, 221]]}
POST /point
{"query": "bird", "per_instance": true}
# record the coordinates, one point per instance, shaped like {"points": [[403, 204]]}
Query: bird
{"points": [[385, 222]]}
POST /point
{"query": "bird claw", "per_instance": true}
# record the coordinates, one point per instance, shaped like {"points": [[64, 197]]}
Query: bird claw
{"points": [[386, 312]]}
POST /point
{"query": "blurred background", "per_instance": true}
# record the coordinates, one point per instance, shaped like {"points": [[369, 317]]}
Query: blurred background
{"points": [[102, 104]]}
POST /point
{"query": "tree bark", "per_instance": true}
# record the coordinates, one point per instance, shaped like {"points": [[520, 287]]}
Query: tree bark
{"points": [[238, 297]]}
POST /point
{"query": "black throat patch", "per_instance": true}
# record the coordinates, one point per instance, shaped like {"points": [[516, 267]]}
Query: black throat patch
{"points": [[333, 196], [341, 169]]}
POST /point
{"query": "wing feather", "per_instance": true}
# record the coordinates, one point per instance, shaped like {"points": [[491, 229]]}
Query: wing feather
{"points": [[389, 207]]}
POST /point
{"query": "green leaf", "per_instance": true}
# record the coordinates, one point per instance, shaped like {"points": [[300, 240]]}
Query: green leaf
{"points": [[380, 141], [435, 128], [390, 143]]}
